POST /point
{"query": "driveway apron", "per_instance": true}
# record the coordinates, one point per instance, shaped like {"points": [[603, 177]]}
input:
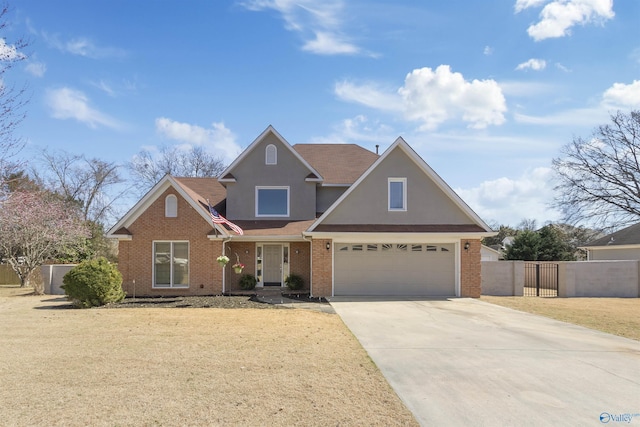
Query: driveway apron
{"points": [[466, 362]]}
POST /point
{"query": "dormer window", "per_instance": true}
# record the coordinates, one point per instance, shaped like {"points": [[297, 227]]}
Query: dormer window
{"points": [[271, 155], [171, 206], [397, 194]]}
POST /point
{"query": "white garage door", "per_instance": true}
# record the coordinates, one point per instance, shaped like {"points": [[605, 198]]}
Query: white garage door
{"points": [[394, 269]]}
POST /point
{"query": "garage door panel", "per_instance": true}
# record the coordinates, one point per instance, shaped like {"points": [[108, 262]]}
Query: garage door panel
{"points": [[395, 269]]}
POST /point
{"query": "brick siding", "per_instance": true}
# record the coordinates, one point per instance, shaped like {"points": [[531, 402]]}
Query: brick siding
{"points": [[136, 255], [470, 269], [321, 276]]}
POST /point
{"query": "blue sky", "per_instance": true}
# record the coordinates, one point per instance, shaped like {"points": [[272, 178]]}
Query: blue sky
{"points": [[485, 91]]}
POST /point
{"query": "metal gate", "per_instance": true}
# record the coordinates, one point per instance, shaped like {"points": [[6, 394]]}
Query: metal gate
{"points": [[540, 279]]}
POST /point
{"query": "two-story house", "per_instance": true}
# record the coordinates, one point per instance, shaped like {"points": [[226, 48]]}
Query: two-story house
{"points": [[349, 221]]}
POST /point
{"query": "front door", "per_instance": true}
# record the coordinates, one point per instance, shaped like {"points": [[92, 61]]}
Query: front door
{"points": [[272, 265]]}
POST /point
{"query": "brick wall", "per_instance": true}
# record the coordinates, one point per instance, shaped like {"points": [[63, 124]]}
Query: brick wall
{"points": [[470, 269], [247, 253], [135, 260], [321, 276], [300, 262]]}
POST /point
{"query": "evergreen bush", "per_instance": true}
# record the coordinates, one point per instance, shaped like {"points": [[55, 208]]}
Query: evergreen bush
{"points": [[248, 282], [93, 283], [294, 282]]}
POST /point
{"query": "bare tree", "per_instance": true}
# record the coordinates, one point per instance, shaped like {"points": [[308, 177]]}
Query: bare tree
{"points": [[34, 227], [12, 100], [599, 177], [148, 169], [87, 182]]}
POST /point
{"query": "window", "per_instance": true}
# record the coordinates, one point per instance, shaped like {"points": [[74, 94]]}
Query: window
{"points": [[272, 201], [397, 194], [171, 206], [271, 155], [170, 264]]}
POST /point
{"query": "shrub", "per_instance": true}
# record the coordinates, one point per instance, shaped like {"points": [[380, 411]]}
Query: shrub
{"points": [[248, 282], [294, 282], [93, 283]]}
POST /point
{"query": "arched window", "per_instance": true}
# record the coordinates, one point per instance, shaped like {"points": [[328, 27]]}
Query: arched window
{"points": [[171, 206], [271, 155]]}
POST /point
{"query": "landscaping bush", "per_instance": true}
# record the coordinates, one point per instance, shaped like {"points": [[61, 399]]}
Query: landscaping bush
{"points": [[294, 282], [248, 282], [93, 283]]}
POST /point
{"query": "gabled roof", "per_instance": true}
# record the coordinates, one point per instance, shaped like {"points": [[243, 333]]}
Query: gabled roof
{"points": [[625, 237], [400, 143], [195, 191], [227, 174], [339, 164]]}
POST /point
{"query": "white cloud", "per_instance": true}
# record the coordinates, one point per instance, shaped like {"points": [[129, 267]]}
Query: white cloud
{"points": [[36, 68], [369, 94], [520, 88], [326, 43], [105, 87], [83, 46], [561, 67], [358, 129], [434, 97], [508, 201], [319, 23], [488, 50], [585, 117], [9, 52], [622, 95], [525, 4], [533, 64], [67, 103], [218, 139], [558, 16]]}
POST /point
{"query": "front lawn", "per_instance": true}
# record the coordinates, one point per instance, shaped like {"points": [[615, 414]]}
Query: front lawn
{"points": [[184, 366], [618, 316]]}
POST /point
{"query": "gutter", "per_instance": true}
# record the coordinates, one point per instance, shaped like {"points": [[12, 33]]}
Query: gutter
{"points": [[224, 275]]}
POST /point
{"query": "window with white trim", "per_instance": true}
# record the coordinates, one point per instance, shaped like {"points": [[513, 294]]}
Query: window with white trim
{"points": [[170, 264], [272, 201], [171, 206], [397, 190], [271, 155]]}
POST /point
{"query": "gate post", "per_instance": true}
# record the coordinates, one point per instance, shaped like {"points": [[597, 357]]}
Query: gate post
{"points": [[537, 279]]}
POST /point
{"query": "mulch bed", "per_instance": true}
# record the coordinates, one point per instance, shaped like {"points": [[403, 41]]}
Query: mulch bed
{"points": [[213, 301]]}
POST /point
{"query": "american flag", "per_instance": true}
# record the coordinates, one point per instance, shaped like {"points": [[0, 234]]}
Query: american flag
{"points": [[219, 219]]}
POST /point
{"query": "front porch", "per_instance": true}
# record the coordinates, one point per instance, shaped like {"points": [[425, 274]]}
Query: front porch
{"points": [[270, 262]]}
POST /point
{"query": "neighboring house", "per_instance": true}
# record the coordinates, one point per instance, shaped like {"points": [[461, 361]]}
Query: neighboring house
{"points": [[489, 254], [621, 245], [347, 220]]}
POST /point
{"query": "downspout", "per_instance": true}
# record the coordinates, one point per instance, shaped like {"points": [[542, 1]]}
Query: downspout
{"points": [[310, 240], [224, 275]]}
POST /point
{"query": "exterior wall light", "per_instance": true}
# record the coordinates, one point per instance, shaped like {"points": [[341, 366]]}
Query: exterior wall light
{"points": [[328, 245], [466, 246]]}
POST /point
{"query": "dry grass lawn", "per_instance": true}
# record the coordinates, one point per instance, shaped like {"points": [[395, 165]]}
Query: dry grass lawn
{"points": [[184, 366], [618, 316]]}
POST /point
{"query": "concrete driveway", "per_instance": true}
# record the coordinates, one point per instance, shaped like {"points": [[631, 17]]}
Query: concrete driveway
{"points": [[467, 362]]}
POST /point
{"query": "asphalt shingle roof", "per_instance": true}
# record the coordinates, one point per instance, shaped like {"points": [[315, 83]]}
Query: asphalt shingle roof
{"points": [[337, 163], [626, 236]]}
